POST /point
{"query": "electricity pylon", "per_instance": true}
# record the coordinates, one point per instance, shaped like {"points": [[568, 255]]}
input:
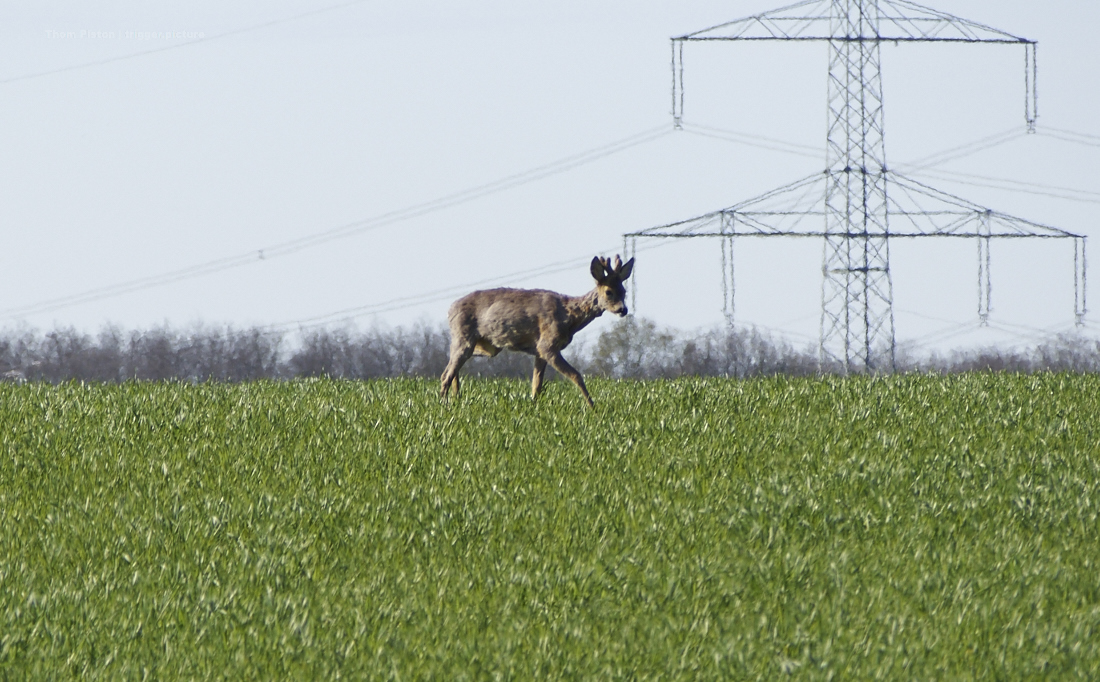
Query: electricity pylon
{"points": [[859, 200]]}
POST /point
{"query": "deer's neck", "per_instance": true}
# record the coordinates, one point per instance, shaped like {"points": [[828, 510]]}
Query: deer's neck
{"points": [[582, 310]]}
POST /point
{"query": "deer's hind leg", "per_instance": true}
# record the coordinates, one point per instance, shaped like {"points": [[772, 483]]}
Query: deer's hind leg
{"points": [[536, 380], [460, 353]]}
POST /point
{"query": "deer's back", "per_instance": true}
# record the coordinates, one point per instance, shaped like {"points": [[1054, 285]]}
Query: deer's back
{"points": [[507, 318]]}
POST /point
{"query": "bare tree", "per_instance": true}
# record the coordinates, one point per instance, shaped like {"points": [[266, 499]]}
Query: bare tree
{"points": [[633, 348]]}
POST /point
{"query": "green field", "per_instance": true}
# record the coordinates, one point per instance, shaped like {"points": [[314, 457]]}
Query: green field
{"points": [[908, 527]]}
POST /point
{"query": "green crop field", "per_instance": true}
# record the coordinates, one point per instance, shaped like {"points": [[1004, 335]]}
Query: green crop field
{"points": [[907, 527]]}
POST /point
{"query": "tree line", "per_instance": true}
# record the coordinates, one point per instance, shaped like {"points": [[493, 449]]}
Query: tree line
{"points": [[634, 348]]}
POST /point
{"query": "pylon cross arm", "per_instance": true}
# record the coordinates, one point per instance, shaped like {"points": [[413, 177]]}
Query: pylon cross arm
{"points": [[894, 21]]}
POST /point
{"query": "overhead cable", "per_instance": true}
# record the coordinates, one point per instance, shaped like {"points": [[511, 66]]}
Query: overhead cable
{"points": [[1070, 136], [187, 43], [769, 143], [343, 231], [436, 295], [1006, 184], [961, 151]]}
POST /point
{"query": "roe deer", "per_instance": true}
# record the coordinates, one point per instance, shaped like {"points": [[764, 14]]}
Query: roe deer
{"points": [[533, 321]]}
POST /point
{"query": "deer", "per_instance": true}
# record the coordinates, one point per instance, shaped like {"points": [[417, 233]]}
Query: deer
{"points": [[533, 321]]}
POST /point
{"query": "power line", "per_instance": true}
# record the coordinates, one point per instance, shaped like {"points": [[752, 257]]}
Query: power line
{"points": [[1031, 336], [1089, 136], [166, 48], [1070, 136], [930, 318], [956, 329], [343, 231], [769, 143], [1039, 331], [1006, 184], [435, 295], [961, 151], [941, 157], [951, 332]]}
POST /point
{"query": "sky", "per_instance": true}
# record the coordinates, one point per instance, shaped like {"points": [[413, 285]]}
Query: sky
{"points": [[292, 163]]}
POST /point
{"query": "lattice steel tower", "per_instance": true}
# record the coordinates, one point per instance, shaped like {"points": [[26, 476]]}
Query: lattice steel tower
{"points": [[862, 197], [857, 293]]}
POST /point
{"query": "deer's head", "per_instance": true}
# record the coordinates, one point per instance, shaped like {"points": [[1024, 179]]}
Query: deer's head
{"points": [[609, 278]]}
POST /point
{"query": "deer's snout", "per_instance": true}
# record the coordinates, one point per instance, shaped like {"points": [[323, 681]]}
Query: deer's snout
{"points": [[621, 312]]}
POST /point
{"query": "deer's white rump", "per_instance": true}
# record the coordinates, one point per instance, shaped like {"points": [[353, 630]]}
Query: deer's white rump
{"points": [[533, 321]]}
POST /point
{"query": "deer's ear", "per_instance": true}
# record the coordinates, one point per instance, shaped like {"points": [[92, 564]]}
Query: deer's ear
{"points": [[599, 273], [627, 268]]}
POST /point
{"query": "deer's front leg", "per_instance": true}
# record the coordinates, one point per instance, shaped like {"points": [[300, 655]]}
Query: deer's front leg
{"points": [[459, 355], [565, 369], [536, 380]]}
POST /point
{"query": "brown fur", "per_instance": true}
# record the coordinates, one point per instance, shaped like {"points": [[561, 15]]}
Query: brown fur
{"points": [[534, 321]]}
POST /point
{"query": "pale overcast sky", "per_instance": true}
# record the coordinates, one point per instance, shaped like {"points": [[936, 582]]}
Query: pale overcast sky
{"points": [[281, 162]]}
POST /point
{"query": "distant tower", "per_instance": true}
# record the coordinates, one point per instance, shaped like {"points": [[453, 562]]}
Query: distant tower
{"points": [[857, 320], [864, 203]]}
